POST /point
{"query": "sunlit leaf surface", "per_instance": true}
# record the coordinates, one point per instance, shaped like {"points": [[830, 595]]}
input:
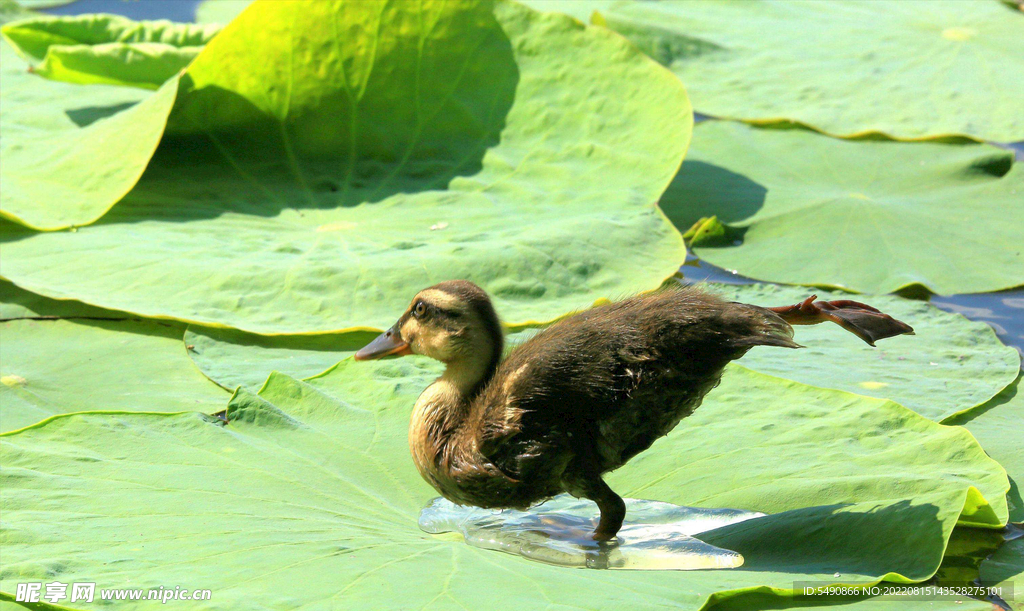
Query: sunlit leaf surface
{"points": [[796, 207], [308, 498], [329, 162], [69, 152], [844, 67]]}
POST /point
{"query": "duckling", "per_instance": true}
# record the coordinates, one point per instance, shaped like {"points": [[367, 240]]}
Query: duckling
{"points": [[582, 397]]}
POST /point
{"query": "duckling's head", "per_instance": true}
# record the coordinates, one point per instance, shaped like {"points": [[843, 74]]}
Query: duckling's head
{"points": [[453, 322]]}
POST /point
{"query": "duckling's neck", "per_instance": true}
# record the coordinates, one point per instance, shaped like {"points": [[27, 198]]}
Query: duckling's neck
{"points": [[467, 376], [440, 414]]}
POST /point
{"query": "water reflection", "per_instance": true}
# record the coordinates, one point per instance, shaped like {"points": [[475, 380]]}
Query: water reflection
{"points": [[655, 536], [1003, 311]]}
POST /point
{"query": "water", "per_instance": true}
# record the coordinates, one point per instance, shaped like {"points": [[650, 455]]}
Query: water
{"points": [[175, 10], [655, 535]]}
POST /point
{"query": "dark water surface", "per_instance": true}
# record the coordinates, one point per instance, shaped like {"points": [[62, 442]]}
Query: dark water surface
{"points": [[175, 10], [1004, 311]]}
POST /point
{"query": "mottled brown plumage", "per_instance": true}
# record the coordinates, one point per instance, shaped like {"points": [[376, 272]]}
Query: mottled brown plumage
{"points": [[583, 396]]}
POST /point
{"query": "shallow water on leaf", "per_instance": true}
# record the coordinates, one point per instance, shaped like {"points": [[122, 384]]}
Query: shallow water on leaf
{"points": [[655, 535]]}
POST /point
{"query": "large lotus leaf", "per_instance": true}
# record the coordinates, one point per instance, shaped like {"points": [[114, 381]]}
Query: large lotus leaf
{"points": [[108, 49], [844, 67], [999, 426], [69, 152], [308, 498], [331, 182], [796, 207], [234, 358], [60, 357], [1006, 568], [16, 303], [950, 365]]}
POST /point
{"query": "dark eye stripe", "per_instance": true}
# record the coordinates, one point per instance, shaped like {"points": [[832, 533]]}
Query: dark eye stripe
{"points": [[446, 313]]}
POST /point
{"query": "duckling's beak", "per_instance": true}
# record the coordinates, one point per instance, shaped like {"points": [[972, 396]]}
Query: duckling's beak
{"points": [[388, 343]]}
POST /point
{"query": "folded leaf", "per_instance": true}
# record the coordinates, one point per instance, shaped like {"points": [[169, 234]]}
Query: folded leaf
{"points": [[70, 152], [141, 64], [108, 49]]}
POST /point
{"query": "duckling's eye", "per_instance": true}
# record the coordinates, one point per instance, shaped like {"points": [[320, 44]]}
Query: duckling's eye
{"points": [[420, 309]]}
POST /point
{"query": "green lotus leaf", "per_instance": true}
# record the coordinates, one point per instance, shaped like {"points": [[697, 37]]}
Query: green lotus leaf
{"points": [[66, 156], [871, 216], [34, 37], [317, 185], [71, 357], [843, 67], [234, 358], [1005, 568], [952, 364], [143, 64], [997, 426], [108, 49], [16, 303], [307, 497]]}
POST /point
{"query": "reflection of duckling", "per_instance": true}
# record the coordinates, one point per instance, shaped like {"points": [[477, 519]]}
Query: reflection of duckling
{"points": [[581, 397]]}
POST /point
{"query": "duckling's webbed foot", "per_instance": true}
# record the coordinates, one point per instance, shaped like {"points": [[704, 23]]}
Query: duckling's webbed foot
{"points": [[862, 320]]}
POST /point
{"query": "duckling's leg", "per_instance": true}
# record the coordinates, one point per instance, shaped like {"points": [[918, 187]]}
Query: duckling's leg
{"points": [[613, 510], [858, 318], [589, 485]]}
